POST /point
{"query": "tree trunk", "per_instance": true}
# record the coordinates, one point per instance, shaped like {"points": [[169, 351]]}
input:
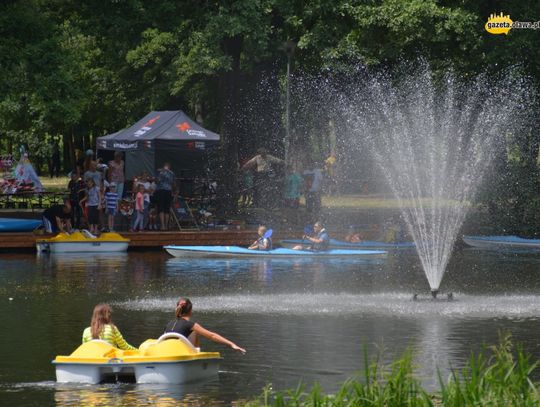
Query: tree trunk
{"points": [[229, 95]]}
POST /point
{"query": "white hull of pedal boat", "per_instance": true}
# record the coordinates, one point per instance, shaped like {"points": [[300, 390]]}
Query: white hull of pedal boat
{"points": [[82, 247], [144, 373], [83, 242], [171, 359]]}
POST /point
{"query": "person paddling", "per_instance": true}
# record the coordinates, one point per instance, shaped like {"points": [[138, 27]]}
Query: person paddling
{"points": [[264, 242], [183, 325], [320, 242]]}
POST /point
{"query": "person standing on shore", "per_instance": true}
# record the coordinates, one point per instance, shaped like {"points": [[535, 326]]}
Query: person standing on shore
{"points": [[111, 202], [265, 175], [93, 203], [163, 194], [116, 173], [314, 190]]}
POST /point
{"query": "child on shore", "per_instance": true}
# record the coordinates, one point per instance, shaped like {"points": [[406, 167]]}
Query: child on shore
{"points": [[93, 203], [139, 209], [111, 201]]}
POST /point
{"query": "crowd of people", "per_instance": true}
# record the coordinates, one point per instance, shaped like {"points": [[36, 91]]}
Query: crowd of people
{"points": [[267, 180], [97, 194], [99, 191]]}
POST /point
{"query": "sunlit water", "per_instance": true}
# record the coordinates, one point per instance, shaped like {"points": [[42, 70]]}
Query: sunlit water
{"points": [[301, 321]]}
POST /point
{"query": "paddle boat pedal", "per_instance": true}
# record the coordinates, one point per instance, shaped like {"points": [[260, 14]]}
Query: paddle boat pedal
{"points": [[171, 359]]}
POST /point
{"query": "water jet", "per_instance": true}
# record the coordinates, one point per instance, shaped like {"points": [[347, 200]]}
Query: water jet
{"points": [[433, 139]]}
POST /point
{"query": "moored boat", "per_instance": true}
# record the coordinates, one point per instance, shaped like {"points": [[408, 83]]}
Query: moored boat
{"points": [[341, 244], [83, 242], [171, 359], [235, 251], [502, 242], [19, 225]]}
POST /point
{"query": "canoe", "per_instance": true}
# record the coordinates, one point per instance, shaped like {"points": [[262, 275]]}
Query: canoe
{"points": [[83, 242], [18, 225], [235, 251], [502, 242], [340, 244], [171, 359]]}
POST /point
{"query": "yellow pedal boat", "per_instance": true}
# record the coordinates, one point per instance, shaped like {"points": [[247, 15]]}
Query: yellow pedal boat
{"points": [[171, 359], [83, 242]]}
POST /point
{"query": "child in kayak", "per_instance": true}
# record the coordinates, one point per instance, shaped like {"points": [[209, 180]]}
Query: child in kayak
{"points": [[320, 242], [103, 328], [183, 325], [262, 243]]}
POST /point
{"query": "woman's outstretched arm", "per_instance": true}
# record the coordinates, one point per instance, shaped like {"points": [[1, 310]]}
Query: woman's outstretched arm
{"points": [[216, 338]]}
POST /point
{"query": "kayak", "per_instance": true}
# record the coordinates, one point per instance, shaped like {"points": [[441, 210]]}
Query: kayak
{"points": [[171, 359], [18, 225], [83, 242], [340, 244], [235, 251], [502, 242]]}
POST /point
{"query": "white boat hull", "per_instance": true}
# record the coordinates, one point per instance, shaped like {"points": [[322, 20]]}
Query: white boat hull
{"points": [[501, 244], [144, 373], [82, 247]]}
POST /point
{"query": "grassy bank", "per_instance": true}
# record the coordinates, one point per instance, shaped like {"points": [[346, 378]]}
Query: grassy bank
{"points": [[55, 184], [498, 376]]}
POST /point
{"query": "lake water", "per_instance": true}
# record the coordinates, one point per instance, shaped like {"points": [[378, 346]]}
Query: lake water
{"points": [[300, 321]]}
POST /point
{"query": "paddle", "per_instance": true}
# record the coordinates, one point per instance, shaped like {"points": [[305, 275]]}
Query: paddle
{"points": [[308, 230], [268, 235]]}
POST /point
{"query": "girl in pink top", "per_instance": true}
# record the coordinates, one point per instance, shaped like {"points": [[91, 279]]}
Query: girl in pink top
{"points": [[139, 209]]}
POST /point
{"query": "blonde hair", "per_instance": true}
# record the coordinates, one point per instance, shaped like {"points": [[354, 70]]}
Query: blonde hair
{"points": [[101, 316]]}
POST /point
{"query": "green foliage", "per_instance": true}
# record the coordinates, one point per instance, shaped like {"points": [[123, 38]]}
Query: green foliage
{"points": [[80, 69], [499, 376]]}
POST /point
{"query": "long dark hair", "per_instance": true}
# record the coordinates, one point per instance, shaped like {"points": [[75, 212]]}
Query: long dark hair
{"points": [[183, 307]]}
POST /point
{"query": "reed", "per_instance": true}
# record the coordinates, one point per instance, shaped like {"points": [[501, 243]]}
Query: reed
{"points": [[500, 375]]}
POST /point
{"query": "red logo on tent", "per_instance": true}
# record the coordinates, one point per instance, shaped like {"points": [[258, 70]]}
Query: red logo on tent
{"points": [[151, 121], [183, 127]]}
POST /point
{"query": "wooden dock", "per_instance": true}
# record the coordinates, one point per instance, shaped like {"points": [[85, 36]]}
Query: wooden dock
{"points": [[154, 240]]}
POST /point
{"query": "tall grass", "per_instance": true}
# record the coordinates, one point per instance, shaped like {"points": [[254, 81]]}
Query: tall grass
{"points": [[496, 376]]}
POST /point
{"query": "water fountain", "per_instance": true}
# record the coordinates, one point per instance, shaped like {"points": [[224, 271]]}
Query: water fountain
{"points": [[434, 139]]}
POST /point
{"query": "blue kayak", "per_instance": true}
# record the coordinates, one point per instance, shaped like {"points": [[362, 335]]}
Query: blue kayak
{"points": [[235, 251], [501, 242], [18, 225], [340, 244]]}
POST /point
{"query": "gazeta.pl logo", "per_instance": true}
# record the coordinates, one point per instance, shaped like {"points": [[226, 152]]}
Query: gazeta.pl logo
{"points": [[499, 24]]}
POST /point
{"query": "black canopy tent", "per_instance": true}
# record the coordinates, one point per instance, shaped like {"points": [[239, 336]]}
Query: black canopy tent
{"points": [[159, 137]]}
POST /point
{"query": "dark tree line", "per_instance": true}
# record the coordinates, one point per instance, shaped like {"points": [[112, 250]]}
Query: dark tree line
{"points": [[73, 70]]}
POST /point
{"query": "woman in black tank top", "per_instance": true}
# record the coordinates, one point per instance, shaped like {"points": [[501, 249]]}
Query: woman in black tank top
{"points": [[191, 330]]}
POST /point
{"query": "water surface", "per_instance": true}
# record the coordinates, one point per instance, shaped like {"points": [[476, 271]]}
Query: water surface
{"points": [[301, 321]]}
